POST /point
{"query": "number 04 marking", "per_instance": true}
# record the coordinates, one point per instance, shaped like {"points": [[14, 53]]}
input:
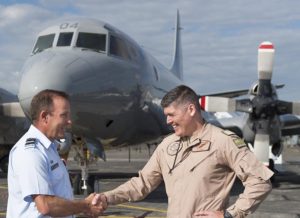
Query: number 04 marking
{"points": [[68, 25]]}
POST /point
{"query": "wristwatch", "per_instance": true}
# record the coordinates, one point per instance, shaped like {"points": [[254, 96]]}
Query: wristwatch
{"points": [[227, 214]]}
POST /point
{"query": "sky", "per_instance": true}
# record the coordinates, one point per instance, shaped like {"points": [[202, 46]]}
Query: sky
{"points": [[219, 38]]}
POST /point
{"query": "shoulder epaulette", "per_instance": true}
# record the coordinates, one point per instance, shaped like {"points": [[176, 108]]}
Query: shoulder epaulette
{"points": [[240, 143], [228, 132], [30, 143]]}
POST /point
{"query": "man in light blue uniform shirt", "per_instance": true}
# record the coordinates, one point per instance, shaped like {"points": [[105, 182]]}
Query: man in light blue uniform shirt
{"points": [[38, 181]]}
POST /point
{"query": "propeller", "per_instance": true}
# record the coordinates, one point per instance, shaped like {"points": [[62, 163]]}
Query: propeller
{"points": [[264, 102], [263, 107]]}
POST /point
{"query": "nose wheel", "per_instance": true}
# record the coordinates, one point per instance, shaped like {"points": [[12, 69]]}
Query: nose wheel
{"points": [[83, 182], [84, 187]]}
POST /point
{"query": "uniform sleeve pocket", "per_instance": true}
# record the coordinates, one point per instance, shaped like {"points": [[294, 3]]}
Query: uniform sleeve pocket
{"points": [[253, 168], [262, 172]]}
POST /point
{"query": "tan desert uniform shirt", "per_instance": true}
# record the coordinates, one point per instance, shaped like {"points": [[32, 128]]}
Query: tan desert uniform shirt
{"points": [[201, 175]]}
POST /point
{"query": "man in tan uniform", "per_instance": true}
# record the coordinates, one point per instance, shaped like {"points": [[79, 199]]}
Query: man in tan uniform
{"points": [[199, 164]]}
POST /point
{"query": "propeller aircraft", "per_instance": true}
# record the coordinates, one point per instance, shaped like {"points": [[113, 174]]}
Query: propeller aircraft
{"points": [[115, 88]]}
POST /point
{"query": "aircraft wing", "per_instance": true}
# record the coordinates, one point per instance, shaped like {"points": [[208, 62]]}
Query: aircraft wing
{"points": [[13, 121], [233, 121], [291, 124], [11, 109], [9, 105], [13, 124], [236, 93]]}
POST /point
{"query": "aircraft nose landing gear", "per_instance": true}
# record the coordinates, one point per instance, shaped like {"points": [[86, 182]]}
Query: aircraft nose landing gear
{"points": [[84, 182]]}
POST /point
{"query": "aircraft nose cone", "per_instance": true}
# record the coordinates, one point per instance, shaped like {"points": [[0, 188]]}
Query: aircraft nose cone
{"points": [[47, 70]]}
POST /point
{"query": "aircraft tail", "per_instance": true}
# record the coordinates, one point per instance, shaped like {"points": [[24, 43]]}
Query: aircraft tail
{"points": [[176, 68]]}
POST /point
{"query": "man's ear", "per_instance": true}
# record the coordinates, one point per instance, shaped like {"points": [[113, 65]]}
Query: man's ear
{"points": [[191, 109], [44, 116]]}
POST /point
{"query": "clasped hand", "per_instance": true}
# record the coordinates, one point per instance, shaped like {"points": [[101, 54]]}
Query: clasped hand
{"points": [[97, 204]]}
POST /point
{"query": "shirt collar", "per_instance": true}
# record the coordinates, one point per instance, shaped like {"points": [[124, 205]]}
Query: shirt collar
{"points": [[36, 133], [199, 133], [201, 139]]}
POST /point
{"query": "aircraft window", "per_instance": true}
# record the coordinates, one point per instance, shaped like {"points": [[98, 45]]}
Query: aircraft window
{"points": [[43, 42], [119, 48], [132, 51], [155, 73], [91, 41], [65, 39]]}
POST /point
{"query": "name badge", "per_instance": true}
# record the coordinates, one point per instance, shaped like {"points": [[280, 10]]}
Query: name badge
{"points": [[54, 166]]}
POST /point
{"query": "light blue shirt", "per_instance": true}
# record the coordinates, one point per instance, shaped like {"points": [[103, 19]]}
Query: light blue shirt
{"points": [[35, 168]]}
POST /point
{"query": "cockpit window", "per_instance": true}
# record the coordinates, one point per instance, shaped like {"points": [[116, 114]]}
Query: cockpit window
{"points": [[92, 41], [43, 42], [65, 39], [118, 48], [122, 48]]}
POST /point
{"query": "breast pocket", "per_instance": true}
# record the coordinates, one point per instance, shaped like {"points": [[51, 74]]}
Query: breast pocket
{"points": [[57, 173], [202, 160]]}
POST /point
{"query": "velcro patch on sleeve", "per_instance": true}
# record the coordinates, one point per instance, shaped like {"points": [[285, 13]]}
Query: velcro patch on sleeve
{"points": [[240, 143]]}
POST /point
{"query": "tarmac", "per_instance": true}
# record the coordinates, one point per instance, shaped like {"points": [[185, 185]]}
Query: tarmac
{"points": [[282, 202]]}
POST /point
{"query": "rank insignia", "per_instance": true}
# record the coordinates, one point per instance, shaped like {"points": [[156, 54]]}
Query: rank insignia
{"points": [[30, 143], [174, 148]]}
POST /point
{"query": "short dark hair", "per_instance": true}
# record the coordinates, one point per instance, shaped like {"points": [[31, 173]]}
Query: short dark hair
{"points": [[181, 94], [44, 101]]}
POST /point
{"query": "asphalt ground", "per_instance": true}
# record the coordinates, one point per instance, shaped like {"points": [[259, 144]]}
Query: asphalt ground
{"points": [[283, 201]]}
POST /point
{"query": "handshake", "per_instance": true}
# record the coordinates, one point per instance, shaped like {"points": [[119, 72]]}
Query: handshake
{"points": [[97, 203]]}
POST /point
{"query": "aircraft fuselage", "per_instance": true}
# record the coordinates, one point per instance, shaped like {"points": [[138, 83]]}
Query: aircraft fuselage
{"points": [[115, 91]]}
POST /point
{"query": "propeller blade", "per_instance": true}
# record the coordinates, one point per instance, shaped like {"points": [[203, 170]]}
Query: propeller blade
{"points": [[296, 108], [265, 60], [217, 104], [222, 104], [244, 105], [261, 147], [265, 68], [285, 107]]}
